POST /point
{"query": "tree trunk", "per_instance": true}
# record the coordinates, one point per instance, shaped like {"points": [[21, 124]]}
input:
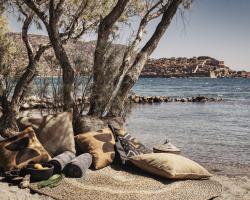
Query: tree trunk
{"points": [[8, 125], [68, 71], [22, 84], [133, 74], [118, 105], [103, 78], [10, 110]]}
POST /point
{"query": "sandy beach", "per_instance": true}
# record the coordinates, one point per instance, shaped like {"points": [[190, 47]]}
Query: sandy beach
{"points": [[113, 183]]}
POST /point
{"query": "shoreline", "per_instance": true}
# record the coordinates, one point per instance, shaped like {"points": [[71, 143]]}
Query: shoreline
{"points": [[35, 102], [223, 169], [167, 77], [193, 77]]}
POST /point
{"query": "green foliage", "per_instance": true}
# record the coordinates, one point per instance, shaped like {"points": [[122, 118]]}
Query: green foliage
{"points": [[8, 53], [7, 49], [53, 181]]}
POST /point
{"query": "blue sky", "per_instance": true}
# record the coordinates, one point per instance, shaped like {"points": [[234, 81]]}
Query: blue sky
{"points": [[217, 28]]}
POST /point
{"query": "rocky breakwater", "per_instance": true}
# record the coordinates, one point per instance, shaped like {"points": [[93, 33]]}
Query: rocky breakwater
{"points": [[34, 102], [162, 99]]}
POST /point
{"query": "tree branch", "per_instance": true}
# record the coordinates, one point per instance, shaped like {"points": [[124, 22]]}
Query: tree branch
{"points": [[40, 51], [33, 6], [70, 29], [126, 63], [133, 73], [58, 10], [26, 24]]}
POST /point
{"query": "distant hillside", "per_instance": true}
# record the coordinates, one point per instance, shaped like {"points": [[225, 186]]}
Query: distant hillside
{"points": [[82, 53], [78, 51]]}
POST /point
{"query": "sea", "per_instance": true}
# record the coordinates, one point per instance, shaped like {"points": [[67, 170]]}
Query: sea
{"points": [[211, 132]]}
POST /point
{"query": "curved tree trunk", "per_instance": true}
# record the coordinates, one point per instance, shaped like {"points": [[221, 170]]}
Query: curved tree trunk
{"points": [[134, 72], [68, 72], [8, 125], [102, 79], [52, 27], [8, 120], [11, 109]]}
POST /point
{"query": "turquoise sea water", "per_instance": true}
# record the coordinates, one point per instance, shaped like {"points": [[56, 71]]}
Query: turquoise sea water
{"points": [[213, 132]]}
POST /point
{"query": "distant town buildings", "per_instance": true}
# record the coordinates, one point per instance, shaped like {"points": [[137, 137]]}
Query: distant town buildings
{"points": [[202, 66]]}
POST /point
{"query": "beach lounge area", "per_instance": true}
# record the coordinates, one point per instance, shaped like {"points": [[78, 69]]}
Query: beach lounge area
{"points": [[108, 164]]}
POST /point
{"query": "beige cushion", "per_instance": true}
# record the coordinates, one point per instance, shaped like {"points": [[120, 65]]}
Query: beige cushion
{"points": [[55, 132], [100, 144], [170, 166], [20, 150]]}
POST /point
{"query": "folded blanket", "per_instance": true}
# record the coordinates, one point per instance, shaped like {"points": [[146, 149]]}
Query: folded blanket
{"points": [[78, 166], [60, 161]]}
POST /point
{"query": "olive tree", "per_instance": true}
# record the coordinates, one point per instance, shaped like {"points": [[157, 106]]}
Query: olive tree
{"points": [[65, 20], [71, 19], [111, 86], [11, 104]]}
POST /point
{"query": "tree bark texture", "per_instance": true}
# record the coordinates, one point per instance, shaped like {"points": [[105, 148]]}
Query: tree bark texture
{"points": [[102, 79], [133, 73]]}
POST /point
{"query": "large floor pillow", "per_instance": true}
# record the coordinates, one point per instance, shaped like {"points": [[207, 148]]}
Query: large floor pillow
{"points": [[127, 145], [55, 132], [89, 123], [100, 144], [16, 152], [171, 166]]}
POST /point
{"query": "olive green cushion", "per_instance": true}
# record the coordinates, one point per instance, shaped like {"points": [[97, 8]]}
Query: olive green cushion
{"points": [[171, 166]]}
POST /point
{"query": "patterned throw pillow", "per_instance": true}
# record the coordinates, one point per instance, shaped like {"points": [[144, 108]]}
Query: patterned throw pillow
{"points": [[55, 132], [16, 152], [128, 146], [100, 144]]}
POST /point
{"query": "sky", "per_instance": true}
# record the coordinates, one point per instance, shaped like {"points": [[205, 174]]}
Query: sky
{"points": [[216, 28]]}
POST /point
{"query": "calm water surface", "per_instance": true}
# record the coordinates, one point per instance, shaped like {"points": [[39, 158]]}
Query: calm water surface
{"points": [[216, 132]]}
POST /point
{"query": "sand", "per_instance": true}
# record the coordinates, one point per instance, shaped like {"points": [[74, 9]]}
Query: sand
{"points": [[14, 193], [108, 181], [234, 188]]}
